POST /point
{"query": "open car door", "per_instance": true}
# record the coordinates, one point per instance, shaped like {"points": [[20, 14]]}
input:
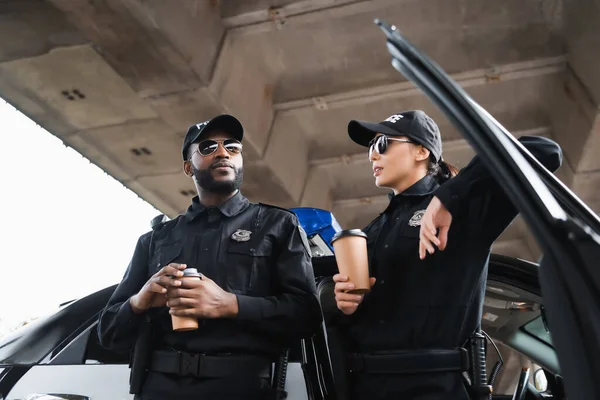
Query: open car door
{"points": [[565, 228]]}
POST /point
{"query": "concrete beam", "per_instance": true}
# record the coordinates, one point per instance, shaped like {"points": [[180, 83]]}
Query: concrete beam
{"points": [[192, 27], [144, 58], [528, 69], [182, 109], [30, 104], [302, 13], [107, 162], [76, 87], [142, 148], [246, 18]]}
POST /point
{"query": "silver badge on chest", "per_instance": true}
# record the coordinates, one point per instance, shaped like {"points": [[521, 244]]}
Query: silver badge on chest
{"points": [[415, 220], [241, 235]]}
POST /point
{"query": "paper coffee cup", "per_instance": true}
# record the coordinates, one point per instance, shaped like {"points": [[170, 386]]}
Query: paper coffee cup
{"points": [[350, 249], [186, 323]]}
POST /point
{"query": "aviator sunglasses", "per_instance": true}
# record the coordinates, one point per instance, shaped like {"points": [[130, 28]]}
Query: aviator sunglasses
{"points": [[207, 147], [380, 144]]}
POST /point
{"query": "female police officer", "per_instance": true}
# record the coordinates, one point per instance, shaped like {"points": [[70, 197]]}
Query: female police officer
{"points": [[424, 304]]}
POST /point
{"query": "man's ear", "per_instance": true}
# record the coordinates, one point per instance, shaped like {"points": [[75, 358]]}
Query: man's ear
{"points": [[187, 168]]}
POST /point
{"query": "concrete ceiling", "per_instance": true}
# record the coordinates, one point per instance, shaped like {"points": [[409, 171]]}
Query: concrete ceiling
{"points": [[121, 80]]}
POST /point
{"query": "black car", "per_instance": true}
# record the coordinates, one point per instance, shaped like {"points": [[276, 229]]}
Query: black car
{"points": [[59, 356]]}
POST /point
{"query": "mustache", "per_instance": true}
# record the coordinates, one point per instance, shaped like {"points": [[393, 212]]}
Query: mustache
{"points": [[222, 163]]}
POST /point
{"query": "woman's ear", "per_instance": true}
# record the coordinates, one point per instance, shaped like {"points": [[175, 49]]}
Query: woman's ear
{"points": [[422, 153]]}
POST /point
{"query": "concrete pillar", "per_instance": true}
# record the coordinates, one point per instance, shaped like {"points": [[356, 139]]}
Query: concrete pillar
{"points": [[574, 119], [290, 149], [576, 115], [244, 89], [582, 28]]}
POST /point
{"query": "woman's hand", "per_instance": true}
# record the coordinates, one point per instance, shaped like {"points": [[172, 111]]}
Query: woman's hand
{"points": [[435, 225], [347, 302]]}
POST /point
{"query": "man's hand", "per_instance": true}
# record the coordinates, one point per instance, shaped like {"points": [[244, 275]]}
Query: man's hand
{"points": [[153, 293], [347, 302], [202, 299], [435, 225]]}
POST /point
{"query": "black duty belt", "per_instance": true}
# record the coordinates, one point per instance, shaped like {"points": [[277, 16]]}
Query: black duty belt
{"points": [[204, 366], [410, 361]]}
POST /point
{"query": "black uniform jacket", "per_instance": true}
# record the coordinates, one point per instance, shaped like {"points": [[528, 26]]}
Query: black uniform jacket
{"points": [[436, 302], [271, 275]]}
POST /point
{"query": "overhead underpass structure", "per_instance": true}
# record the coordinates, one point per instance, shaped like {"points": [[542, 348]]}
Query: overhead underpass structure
{"points": [[121, 80]]}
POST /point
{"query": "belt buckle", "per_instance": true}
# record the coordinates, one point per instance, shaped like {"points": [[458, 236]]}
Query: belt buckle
{"points": [[189, 364]]}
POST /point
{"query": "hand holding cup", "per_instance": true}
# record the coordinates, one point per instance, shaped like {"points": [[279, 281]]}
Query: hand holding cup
{"points": [[347, 302], [185, 323], [153, 293]]}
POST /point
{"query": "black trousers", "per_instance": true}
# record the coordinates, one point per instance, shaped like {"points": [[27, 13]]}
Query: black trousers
{"points": [[159, 386], [430, 386]]}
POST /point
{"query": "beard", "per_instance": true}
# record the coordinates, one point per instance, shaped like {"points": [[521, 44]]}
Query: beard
{"points": [[206, 180]]}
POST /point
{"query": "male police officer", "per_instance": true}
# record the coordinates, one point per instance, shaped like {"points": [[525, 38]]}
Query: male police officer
{"points": [[256, 295]]}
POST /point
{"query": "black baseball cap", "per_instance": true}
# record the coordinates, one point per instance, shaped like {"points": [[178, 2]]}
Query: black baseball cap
{"points": [[414, 124], [223, 122]]}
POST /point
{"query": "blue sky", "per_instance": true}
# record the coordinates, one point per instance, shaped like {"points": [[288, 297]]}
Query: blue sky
{"points": [[67, 228]]}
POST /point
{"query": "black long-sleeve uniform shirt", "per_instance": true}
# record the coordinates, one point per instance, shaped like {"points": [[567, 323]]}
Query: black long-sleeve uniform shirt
{"points": [[436, 302], [271, 275]]}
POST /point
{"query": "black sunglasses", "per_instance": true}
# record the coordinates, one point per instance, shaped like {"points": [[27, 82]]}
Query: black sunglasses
{"points": [[207, 147], [380, 144]]}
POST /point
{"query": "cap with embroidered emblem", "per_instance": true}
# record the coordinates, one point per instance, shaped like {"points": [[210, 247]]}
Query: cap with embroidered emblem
{"points": [[414, 124], [224, 122]]}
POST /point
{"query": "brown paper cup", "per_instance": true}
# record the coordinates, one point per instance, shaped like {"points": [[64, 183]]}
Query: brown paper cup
{"points": [[350, 249], [182, 324]]}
